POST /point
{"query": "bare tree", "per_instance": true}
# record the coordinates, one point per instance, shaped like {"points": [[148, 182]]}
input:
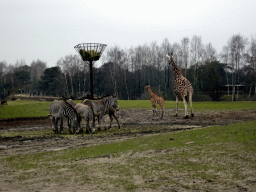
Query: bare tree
{"points": [[71, 65], [166, 48], [116, 56], [224, 56], [237, 45], [37, 69], [196, 53], [177, 51], [185, 53], [233, 55], [3, 71], [250, 57], [210, 53]]}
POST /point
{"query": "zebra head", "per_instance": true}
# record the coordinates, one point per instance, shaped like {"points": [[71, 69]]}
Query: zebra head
{"points": [[114, 103], [71, 113], [111, 100], [73, 122]]}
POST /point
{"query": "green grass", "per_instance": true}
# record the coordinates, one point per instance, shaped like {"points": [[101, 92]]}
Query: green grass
{"points": [[219, 155], [242, 133], [29, 108], [215, 156], [24, 108]]}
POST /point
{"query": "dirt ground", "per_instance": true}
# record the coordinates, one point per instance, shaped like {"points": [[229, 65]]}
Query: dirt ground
{"points": [[18, 145]]}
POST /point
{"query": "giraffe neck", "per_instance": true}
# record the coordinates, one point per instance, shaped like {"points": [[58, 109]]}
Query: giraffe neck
{"points": [[150, 91], [176, 71]]}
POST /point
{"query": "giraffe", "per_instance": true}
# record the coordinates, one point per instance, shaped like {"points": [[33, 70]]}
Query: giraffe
{"points": [[181, 85], [155, 99]]}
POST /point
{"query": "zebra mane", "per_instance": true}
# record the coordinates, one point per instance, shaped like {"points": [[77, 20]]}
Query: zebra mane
{"points": [[108, 95], [69, 105]]}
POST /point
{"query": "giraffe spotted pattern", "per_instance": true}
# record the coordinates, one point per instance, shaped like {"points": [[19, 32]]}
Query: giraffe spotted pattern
{"points": [[155, 99], [181, 86]]}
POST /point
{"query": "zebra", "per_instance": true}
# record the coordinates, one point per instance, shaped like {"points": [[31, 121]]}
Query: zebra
{"points": [[71, 102], [60, 109], [106, 105], [112, 113], [84, 112]]}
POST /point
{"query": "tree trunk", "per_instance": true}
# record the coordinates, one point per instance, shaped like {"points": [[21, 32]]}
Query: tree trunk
{"points": [[233, 87], [126, 87], [66, 85]]}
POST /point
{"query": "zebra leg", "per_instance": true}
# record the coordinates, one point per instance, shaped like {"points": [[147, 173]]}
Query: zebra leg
{"points": [[111, 119], [91, 126], [116, 120], [99, 121], [69, 126], [93, 123], [61, 124], [79, 128], [87, 126], [56, 125], [53, 123]]}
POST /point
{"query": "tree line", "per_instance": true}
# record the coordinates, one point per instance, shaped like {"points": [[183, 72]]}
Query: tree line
{"points": [[124, 72]]}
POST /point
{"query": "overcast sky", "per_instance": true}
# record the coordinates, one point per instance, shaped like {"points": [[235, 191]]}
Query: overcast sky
{"points": [[49, 29]]}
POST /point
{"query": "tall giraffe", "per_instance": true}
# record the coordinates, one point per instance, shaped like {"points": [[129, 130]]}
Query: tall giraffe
{"points": [[181, 85], [155, 99]]}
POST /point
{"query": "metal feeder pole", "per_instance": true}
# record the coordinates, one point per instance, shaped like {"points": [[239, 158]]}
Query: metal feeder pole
{"points": [[91, 79], [95, 51]]}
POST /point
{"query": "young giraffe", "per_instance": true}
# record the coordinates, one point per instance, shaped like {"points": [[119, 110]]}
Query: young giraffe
{"points": [[155, 99], [181, 85]]}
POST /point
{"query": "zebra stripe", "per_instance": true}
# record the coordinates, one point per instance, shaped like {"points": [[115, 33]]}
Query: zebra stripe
{"points": [[60, 109], [84, 112], [103, 106]]}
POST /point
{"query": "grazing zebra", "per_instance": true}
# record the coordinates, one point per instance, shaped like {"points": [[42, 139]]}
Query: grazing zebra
{"points": [[60, 109], [105, 105], [84, 112], [71, 102]]}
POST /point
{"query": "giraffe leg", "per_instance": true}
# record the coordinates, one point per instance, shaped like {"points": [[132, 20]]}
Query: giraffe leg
{"points": [[186, 110], [162, 112], [177, 103], [190, 101], [154, 110]]}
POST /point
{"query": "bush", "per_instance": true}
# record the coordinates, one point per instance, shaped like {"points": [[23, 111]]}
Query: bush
{"points": [[241, 97], [226, 98], [201, 97]]}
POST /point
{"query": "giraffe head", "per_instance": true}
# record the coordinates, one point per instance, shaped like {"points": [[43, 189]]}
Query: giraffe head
{"points": [[170, 56], [146, 86]]}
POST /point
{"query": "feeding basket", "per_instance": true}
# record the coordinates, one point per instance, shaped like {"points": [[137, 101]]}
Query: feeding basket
{"points": [[90, 51]]}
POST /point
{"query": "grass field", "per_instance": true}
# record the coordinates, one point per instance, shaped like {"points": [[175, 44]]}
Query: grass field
{"points": [[29, 108], [211, 159], [217, 158]]}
